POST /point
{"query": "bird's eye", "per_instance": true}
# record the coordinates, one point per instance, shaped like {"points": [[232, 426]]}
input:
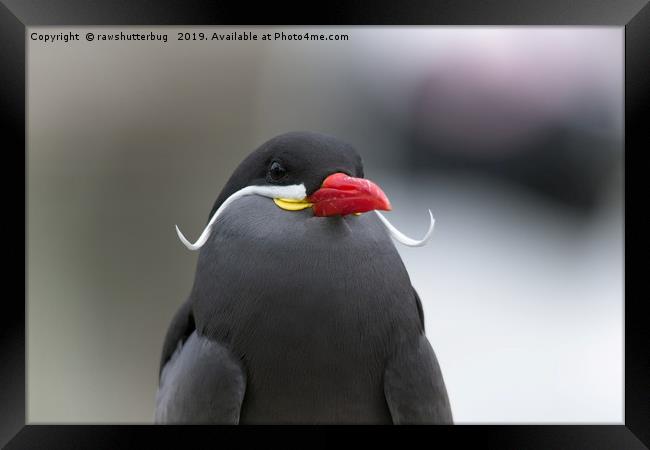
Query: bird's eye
{"points": [[276, 171]]}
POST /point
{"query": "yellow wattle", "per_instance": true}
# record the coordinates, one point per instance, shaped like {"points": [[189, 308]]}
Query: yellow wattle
{"points": [[291, 204]]}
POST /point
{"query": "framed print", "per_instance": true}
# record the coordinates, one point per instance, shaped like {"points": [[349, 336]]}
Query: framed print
{"points": [[304, 159]]}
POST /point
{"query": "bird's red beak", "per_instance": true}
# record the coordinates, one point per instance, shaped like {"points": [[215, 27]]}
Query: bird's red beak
{"points": [[341, 194]]}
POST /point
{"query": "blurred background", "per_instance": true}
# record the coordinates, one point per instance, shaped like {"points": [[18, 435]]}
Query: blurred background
{"points": [[512, 136]]}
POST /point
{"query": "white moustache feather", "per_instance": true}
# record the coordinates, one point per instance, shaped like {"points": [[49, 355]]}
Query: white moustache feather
{"points": [[402, 238], [296, 192]]}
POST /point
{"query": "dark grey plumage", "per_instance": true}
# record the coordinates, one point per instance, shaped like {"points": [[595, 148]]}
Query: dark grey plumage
{"points": [[202, 383], [299, 319]]}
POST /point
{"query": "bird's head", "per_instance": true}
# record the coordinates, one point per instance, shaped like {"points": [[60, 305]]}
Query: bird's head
{"points": [[301, 170]]}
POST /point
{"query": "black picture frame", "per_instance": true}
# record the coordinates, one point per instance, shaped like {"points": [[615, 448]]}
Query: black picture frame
{"points": [[17, 15]]}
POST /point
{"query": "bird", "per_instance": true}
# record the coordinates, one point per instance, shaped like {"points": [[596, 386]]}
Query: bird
{"points": [[301, 309]]}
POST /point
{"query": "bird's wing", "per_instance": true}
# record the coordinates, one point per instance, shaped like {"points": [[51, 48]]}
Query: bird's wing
{"points": [[202, 383], [181, 326], [413, 385], [199, 380]]}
